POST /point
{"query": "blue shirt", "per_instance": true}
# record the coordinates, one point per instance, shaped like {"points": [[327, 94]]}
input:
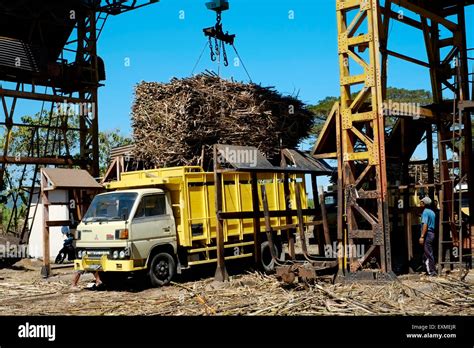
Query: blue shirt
{"points": [[429, 218]]}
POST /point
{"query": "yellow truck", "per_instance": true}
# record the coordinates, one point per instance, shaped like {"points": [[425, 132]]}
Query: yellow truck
{"points": [[163, 221]]}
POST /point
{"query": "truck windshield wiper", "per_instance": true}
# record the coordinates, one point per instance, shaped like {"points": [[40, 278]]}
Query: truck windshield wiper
{"points": [[96, 219], [115, 218]]}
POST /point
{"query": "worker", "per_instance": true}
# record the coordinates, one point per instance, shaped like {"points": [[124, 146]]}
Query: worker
{"points": [[98, 285], [428, 221]]}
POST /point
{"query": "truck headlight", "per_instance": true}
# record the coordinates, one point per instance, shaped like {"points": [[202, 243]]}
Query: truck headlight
{"points": [[115, 254], [122, 254], [79, 254]]}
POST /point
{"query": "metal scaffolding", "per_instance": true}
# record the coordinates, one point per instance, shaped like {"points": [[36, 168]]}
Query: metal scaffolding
{"points": [[48, 54], [355, 132]]}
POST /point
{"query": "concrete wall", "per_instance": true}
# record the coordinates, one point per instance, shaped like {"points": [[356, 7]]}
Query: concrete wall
{"points": [[56, 212]]}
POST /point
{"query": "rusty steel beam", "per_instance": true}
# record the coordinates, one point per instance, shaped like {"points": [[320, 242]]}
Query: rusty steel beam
{"points": [[41, 96], [363, 26], [440, 64], [21, 160], [53, 145], [363, 126], [428, 14], [403, 19]]}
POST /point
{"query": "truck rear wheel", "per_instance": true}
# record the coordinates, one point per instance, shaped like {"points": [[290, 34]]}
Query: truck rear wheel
{"points": [[268, 263], [162, 269]]}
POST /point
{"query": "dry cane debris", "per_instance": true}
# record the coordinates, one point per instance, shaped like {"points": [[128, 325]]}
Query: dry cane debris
{"points": [[251, 294], [172, 122]]}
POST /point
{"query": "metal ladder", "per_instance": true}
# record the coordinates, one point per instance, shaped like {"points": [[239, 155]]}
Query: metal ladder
{"points": [[452, 177]]}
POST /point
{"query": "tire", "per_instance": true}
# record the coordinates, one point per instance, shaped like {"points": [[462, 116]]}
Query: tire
{"points": [[162, 269], [60, 258], [268, 264]]}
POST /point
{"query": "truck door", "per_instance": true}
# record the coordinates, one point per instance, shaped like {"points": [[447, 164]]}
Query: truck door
{"points": [[152, 224]]}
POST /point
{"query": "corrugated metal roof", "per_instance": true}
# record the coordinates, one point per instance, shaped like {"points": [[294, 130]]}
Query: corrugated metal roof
{"points": [[69, 178], [304, 161], [242, 157], [126, 150], [250, 158]]}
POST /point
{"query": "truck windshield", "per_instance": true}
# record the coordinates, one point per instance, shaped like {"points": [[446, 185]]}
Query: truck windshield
{"points": [[111, 206]]}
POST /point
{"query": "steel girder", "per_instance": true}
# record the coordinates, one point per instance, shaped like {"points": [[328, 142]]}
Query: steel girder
{"points": [[363, 33], [362, 137]]}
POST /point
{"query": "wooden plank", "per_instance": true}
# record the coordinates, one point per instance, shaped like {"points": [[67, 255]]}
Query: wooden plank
{"points": [[268, 226], [221, 271], [300, 219], [46, 268], [289, 220], [58, 223], [327, 237], [272, 213], [410, 235], [256, 221]]}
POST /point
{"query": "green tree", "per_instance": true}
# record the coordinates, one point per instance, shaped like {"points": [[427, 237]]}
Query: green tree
{"points": [[107, 141], [37, 141], [322, 109]]}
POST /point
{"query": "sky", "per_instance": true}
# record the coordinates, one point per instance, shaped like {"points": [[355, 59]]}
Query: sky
{"points": [[289, 44]]}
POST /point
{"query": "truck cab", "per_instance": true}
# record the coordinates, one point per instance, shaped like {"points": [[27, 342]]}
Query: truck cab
{"points": [[123, 231]]}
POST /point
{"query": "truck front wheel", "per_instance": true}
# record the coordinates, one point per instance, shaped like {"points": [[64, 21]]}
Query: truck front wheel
{"points": [[162, 269]]}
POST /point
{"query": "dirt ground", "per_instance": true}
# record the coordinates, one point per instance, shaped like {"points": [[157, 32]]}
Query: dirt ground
{"points": [[24, 292]]}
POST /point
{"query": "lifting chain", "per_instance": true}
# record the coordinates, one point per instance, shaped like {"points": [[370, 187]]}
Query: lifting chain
{"points": [[224, 54], [213, 56], [216, 50]]}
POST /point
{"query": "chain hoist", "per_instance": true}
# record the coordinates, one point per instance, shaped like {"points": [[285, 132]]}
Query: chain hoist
{"points": [[217, 33]]}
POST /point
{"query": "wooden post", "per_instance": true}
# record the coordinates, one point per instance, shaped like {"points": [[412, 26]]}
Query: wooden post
{"points": [[299, 212], [327, 237], [221, 271], [256, 221], [405, 195], [409, 230], [441, 232], [46, 268], [314, 188], [268, 226], [429, 152], [341, 215], [289, 219], [318, 216]]}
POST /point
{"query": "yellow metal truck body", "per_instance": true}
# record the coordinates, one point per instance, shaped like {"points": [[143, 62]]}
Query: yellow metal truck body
{"points": [[190, 217]]}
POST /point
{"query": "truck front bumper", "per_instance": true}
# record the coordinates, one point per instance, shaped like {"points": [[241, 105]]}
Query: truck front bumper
{"points": [[105, 265]]}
